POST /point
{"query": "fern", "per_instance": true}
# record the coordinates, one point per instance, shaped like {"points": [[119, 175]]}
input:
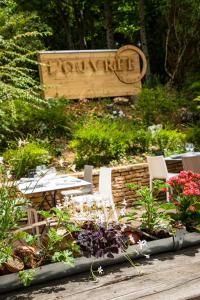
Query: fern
{"points": [[19, 35]]}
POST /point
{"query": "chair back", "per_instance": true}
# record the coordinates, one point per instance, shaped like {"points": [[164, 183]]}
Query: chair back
{"points": [[88, 173], [191, 163], [105, 181], [157, 167], [105, 188]]}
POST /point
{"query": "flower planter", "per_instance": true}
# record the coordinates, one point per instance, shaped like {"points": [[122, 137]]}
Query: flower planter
{"points": [[59, 270]]}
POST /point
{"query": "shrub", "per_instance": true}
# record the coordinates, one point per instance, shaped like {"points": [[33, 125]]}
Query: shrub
{"points": [[99, 141], [55, 121], [46, 120], [139, 141], [158, 105], [11, 213], [193, 136], [169, 141], [25, 158]]}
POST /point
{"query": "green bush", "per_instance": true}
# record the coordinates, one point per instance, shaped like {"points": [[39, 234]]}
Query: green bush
{"points": [[53, 119], [169, 141], [46, 120], [25, 158], [193, 136], [99, 141], [159, 105], [139, 141]]}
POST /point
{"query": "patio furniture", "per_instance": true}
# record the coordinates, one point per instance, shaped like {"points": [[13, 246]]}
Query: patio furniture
{"points": [[32, 216], [103, 198], [179, 157], [191, 163], [158, 170], [48, 187], [86, 190]]}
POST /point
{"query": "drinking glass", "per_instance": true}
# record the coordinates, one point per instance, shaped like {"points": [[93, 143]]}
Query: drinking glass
{"points": [[189, 147]]}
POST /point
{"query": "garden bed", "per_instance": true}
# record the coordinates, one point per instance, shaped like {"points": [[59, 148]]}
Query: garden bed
{"points": [[59, 270]]}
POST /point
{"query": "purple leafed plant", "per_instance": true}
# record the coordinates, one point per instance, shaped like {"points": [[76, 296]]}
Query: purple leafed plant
{"points": [[99, 240]]}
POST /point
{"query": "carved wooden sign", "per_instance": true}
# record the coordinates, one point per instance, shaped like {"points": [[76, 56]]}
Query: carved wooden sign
{"points": [[92, 73]]}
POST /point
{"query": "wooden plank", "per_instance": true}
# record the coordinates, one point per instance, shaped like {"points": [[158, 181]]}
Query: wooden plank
{"points": [[91, 74], [169, 276]]}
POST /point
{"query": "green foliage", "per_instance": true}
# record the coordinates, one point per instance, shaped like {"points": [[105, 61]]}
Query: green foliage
{"points": [[25, 158], [182, 20], [46, 120], [53, 238], [140, 140], [193, 136], [100, 140], [63, 256], [158, 105], [18, 71], [19, 35], [11, 213], [192, 84], [169, 141], [152, 219], [59, 237], [26, 276]]}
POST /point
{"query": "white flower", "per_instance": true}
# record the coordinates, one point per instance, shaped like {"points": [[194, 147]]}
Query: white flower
{"points": [[100, 270], [8, 174], [147, 255], [142, 244], [124, 202], [154, 128], [66, 201], [61, 231], [100, 217], [59, 206], [123, 211], [124, 227], [1, 160], [121, 114], [22, 143], [61, 162]]}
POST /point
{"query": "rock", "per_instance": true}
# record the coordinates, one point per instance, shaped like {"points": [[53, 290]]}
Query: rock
{"points": [[120, 100]]}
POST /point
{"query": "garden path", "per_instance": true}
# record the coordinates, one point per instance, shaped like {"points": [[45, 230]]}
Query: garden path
{"points": [[168, 276]]}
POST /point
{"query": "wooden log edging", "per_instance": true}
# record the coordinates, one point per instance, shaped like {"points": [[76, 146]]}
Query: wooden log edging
{"points": [[59, 270]]}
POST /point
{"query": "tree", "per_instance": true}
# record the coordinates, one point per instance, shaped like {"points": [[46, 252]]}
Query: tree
{"points": [[182, 38], [144, 39], [109, 23]]}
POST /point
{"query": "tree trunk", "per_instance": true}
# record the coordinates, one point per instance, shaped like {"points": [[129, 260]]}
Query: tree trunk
{"points": [[109, 24], [144, 39], [78, 12], [65, 21]]}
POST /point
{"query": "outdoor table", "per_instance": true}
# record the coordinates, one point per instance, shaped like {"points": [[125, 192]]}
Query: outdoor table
{"points": [[180, 156], [49, 185]]}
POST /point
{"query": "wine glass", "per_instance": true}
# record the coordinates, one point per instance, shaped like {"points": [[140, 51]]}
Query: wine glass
{"points": [[189, 147]]}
